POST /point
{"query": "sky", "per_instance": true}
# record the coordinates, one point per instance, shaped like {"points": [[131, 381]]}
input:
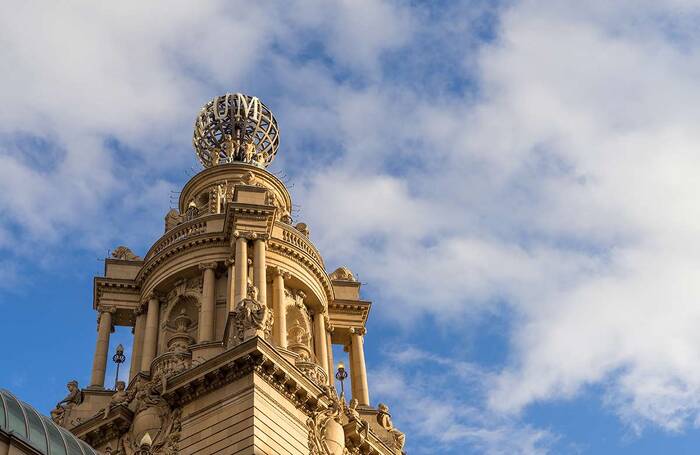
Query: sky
{"points": [[514, 183]]}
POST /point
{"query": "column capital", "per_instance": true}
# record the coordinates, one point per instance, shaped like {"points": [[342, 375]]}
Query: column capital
{"points": [[106, 309], [140, 309], [153, 295], [361, 331], [276, 271], [249, 235], [230, 261], [208, 265]]}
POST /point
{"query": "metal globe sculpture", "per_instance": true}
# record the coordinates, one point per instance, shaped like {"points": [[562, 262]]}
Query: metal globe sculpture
{"points": [[235, 128]]}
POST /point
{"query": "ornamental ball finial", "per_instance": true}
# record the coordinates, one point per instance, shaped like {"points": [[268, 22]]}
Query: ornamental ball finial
{"points": [[235, 128]]}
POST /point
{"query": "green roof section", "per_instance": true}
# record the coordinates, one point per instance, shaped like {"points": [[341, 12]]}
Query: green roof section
{"points": [[25, 422]]}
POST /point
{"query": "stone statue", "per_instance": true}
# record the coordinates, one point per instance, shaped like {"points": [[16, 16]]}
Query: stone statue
{"points": [[252, 317], [248, 154], [343, 274], [124, 254], [384, 419], [121, 396], [62, 410], [351, 410], [260, 159]]}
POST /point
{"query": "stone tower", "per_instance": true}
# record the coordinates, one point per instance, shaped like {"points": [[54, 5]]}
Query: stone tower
{"points": [[234, 317]]}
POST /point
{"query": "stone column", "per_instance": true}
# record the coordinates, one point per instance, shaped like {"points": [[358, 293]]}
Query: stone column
{"points": [[320, 341], [207, 311], [329, 345], [230, 288], [357, 360], [240, 281], [259, 274], [150, 340], [137, 347], [99, 364], [279, 309]]}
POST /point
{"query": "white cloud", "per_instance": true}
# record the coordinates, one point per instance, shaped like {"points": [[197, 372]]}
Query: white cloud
{"points": [[567, 190], [430, 408], [565, 185]]}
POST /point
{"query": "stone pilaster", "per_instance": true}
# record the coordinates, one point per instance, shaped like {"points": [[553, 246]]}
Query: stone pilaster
{"points": [[137, 347], [104, 329], [320, 341], [259, 272], [230, 285], [240, 281], [207, 311], [150, 341], [329, 346], [358, 369], [279, 309]]}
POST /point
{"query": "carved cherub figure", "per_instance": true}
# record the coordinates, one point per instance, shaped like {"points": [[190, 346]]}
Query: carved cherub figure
{"points": [[248, 154], [121, 396], [384, 419]]}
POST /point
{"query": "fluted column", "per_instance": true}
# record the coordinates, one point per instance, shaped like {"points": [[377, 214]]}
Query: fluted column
{"points": [[230, 288], [240, 281], [329, 346], [137, 347], [150, 340], [99, 364], [259, 274], [279, 309], [358, 368], [320, 341], [207, 311]]}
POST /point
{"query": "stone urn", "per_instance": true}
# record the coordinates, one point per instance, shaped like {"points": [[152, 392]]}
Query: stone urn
{"points": [[148, 420], [335, 437]]}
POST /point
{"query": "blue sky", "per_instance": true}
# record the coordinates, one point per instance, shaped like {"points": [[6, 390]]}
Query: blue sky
{"points": [[514, 182]]}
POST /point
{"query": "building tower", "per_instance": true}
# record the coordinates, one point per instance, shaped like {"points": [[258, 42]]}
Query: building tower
{"points": [[234, 318]]}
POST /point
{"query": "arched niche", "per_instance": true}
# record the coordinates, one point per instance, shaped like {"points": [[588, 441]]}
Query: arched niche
{"points": [[182, 302], [299, 332]]}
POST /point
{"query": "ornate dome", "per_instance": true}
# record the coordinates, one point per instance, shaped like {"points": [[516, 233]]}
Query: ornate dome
{"points": [[40, 432], [235, 127]]}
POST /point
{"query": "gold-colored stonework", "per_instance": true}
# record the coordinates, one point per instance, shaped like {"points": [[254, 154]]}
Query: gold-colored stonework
{"points": [[234, 318]]}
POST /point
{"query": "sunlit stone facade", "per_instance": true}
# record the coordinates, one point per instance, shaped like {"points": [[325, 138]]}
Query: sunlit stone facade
{"points": [[234, 318]]}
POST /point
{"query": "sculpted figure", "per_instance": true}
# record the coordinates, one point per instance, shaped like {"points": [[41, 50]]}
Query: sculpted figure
{"points": [[248, 152], [121, 396], [351, 410], [260, 159], [63, 407], [384, 419], [125, 254], [251, 315]]}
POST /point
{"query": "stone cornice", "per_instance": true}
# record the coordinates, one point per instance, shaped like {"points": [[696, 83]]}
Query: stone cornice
{"points": [[117, 285], [184, 246], [292, 252], [100, 429], [252, 356], [361, 307]]}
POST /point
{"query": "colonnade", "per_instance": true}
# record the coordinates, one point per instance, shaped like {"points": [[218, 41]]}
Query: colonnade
{"points": [[147, 319]]}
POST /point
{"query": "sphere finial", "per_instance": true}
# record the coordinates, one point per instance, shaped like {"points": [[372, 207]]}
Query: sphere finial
{"points": [[235, 127]]}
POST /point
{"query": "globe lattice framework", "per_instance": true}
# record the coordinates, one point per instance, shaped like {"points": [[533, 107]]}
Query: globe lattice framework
{"points": [[235, 127]]}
